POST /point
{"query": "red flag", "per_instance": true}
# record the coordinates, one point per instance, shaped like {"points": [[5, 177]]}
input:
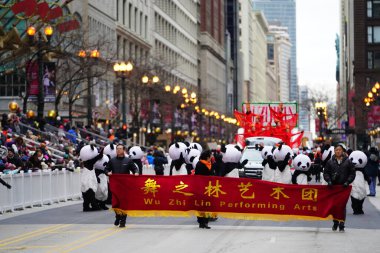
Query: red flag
{"points": [[27, 6], [68, 26], [54, 13]]}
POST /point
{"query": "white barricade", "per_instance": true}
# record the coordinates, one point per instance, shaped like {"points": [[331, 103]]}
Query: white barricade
{"points": [[149, 170], [39, 188]]}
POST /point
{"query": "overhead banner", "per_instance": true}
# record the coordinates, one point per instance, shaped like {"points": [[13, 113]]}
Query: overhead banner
{"points": [[238, 198]]}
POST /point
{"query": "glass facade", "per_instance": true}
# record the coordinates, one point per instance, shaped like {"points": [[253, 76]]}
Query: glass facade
{"points": [[284, 12]]}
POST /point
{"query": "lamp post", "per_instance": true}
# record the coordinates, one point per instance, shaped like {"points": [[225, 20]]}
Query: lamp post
{"points": [[39, 42], [123, 70], [91, 55]]}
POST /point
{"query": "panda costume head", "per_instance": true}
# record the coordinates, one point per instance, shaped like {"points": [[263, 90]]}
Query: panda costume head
{"points": [[135, 153], [177, 153], [358, 159], [89, 154], [110, 150], [102, 163], [302, 162], [327, 152], [267, 151], [195, 145], [191, 153], [177, 150], [231, 153], [280, 153]]}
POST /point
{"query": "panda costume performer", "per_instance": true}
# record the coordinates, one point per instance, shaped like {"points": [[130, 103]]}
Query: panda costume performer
{"points": [[281, 156], [135, 154], [101, 193], [231, 155], [177, 154], [110, 151], [269, 165], [191, 155], [301, 174], [327, 154], [89, 155], [359, 185]]}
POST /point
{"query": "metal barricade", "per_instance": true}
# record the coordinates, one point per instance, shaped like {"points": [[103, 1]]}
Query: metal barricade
{"points": [[39, 188]]}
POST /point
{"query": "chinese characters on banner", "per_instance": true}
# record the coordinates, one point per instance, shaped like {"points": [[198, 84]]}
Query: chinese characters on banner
{"points": [[239, 198]]}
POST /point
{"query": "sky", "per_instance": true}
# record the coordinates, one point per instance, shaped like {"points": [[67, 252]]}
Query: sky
{"points": [[318, 22]]}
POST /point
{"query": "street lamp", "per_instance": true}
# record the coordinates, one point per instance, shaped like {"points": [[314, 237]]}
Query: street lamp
{"points": [[92, 55], [39, 42], [123, 70]]}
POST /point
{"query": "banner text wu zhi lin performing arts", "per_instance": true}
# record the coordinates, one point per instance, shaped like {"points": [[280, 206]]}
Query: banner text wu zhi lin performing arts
{"points": [[238, 198]]}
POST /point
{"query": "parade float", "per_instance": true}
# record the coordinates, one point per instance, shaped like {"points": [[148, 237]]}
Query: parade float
{"points": [[274, 119]]}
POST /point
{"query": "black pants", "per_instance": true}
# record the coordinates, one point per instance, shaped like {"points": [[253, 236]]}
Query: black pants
{"points": [[318, 177], [357, 205], [202, 220], [121, 217], [89, 199]]}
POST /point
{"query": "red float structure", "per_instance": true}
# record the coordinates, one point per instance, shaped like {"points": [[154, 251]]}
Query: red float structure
{"points": [[276, 123]]}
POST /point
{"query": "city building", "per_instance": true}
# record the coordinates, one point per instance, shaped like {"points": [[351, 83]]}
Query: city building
{"points": [[360, 54], [304, 109], [233, 9], [279, 55], [212, 56], [284, 11]]}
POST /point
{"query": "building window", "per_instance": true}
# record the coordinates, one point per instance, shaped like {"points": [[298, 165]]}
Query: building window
{"points": [[373, 34], [373, 60], [270, 52], [373, 8]]}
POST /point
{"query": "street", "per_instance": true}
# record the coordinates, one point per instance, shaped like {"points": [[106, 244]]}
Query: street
{"points": [[67, 229]]}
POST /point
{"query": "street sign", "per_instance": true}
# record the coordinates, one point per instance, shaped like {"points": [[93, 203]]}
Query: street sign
{"points": [[339, 131]]}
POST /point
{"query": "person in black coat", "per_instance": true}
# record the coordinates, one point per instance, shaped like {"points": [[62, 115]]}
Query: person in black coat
{"points": [[371, 169], [204, 168], [339, 171], [159, 161], [121, 164]]}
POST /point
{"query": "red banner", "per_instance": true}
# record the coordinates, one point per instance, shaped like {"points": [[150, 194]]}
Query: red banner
{"points": [[238, 198]]}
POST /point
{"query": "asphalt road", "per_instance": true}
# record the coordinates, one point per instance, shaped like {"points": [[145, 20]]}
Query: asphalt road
{"points": [[68, 229]]}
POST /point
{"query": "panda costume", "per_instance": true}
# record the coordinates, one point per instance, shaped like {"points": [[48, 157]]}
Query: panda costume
{"points": [[177, 154], [301, 174], [190, 155], [269, 165], [327, 153], [231, 155], [89, 155], [281, 156], [101, 193], [359, 186], [135, 154], [110, 151]]}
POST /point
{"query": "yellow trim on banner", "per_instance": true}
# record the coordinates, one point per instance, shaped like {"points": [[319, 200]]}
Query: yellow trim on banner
{"points": [[238, 216]]}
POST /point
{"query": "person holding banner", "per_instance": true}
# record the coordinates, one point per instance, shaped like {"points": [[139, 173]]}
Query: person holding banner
{"points": [[339, 171], [204, 168], [121, 164]]}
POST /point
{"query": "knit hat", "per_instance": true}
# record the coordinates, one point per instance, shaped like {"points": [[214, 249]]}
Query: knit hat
{"points": [[341, 145]]}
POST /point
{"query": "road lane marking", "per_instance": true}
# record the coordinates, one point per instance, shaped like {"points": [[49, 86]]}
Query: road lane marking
{"points": [[28, 233], [79, 241], [94, 240], [35, 234], [25, 247]]}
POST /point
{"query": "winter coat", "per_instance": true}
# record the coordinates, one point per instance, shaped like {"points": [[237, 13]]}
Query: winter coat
{"points": [[372, 166], [338, 174], [201, 169], [121, 165]]}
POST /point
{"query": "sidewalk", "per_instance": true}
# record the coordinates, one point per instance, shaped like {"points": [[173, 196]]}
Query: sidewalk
{"points": [[376, 200]]}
